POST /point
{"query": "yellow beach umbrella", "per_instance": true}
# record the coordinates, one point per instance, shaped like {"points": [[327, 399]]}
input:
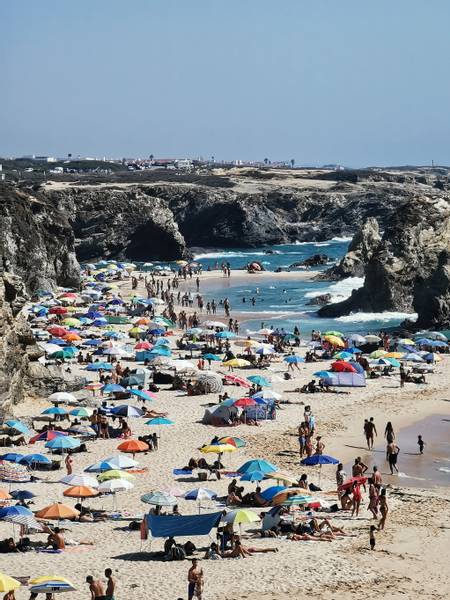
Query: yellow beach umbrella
{"points": [[115, 474], [7, 583], [378, 354], [237, 362], [217, 448], [394, 355], [241, 515], [334, 341], [45, 578], [71, 322], [284, 477]]}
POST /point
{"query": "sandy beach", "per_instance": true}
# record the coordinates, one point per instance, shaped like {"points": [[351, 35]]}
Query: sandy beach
{"points": [[415, 541]]}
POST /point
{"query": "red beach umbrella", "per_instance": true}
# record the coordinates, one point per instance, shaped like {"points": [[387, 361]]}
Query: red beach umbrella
{"points": [[341, 366]]}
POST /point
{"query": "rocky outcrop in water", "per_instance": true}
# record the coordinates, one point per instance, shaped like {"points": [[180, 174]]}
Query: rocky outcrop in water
{"points": [[409, 271], [312, 261], [360, 251], [36, 251]]}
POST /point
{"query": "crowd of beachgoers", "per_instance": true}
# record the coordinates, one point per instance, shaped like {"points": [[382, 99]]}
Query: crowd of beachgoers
{"points": [[166, 427]]}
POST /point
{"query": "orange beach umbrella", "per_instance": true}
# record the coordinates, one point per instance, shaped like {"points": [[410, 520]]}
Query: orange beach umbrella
{"points": [[80, 491], [57, 511]]}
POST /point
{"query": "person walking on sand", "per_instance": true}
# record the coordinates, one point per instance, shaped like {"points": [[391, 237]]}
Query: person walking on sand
{"points": [[392, 453], [357, 497], [384, 509], [110, 585], [370, 431], [389, 435], [420, 443], [195, 581]]}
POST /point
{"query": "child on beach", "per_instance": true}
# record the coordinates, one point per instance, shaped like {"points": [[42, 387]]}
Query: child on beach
{"points": [[420, 443], [372, 537]]}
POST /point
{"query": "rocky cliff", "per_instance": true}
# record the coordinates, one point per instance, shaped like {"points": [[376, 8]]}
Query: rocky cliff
{"points": [[410, 268], [120, 223], [36, 251], [360, 251]]}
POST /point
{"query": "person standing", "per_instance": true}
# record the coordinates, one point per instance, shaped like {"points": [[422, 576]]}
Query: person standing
{"points": [[69, 463], [372, 537], [392, 453], [384, 509], [96, 588], [110, 585], [389, 435], [195, 581], [370, 431]]}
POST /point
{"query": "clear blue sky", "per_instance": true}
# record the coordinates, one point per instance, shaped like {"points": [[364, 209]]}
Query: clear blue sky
{"points": [[320, 81]]}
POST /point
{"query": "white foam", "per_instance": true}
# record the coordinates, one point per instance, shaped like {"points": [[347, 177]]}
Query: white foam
{"points": [[339, 291], [361, 317], [444, 469], [227, 255], [341, 239]]}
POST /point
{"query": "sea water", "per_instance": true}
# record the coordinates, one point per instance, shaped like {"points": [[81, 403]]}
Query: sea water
{"points": [[285, 303]]}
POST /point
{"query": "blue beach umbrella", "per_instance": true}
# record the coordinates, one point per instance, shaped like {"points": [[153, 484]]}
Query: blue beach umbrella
{"points": [[141, 394], [99, 366], [63, 442], [12, 457], [159, 421], [113, 387], [257, 464], [35, 459], [18, 426], [200, 494], [22, 495], [210, 356], [272, 491], [54, 410], [125, 410], [259, 380], [225, 335], [319, 459], [323, 374]]}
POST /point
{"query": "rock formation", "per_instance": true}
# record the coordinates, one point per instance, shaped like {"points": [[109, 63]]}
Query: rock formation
{"points": [[312, 261], [36, 251], [121, 223], [409, 271], [360, 251]]}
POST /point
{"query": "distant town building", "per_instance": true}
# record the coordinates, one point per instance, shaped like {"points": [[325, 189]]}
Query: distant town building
{"points": [[184, 163]]}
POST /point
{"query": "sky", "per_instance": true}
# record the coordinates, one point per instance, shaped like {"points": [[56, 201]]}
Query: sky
{"points": [[319, 81]]}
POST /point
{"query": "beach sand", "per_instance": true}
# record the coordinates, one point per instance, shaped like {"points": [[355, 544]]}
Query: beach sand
{"points": [[411, 559]]}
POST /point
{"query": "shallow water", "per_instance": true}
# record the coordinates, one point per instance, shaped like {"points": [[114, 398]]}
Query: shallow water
{"points": [[430, 469]]}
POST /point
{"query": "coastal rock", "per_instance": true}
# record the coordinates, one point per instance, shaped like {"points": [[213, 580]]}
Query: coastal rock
{"points": [[121, 224], [360, 251], [319, 300], [312, 261], [36, 251], [409, 270]]}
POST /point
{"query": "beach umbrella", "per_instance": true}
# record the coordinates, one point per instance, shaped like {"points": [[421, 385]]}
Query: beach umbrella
{"points": [[61, 397], [234, 379], [281, 497], [130, 380], [217, 448], [8, 584], [334, 333], [84, 430], [412, 357], [115, 474], [13, 457], [342, 367], [51, 584], [334, 341], [252, 476], [4, 495], [323, 374], [237, 363], [272, 491], [133, 446], [144, 394], [47, 435], [432, 357], [63, 443], [79, 480], [17, 425], [392, 361], [55, 411], [343, 355], [393, 355], [80, 491], [233, 441], [358, 368], [406, 342], [372, 339], [71, 322], [225, 335], [265, 350], [126, 410], [57, 331], [111, 486], [259, 380], [240, 516], [358, 339], [319, 459], [113, 387], [82, 412], [159, 499], [377, 354], [267, 395], [19, 515], [22, 495], [298, 500], [214, 324], [120, 461], [99, 366], [143, 345], [284, 477], [293, 359], [244, 402], [200, 494], [257, 464], [57, 511], [35, 459], [159, 421]]}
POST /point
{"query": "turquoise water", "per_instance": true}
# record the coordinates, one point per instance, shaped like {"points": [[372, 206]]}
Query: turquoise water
{"points": [[285, 303]]}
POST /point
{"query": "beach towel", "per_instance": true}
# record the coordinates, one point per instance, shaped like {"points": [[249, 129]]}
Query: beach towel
{"points": [[181, 472], [49, 550]]}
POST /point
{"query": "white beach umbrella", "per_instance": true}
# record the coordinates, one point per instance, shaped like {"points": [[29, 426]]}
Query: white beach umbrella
{"points": [[62, 396], [82, 480], [115, 485], [214, 324]]}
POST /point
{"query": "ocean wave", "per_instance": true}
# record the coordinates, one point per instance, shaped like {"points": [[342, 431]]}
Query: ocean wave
{"points": [[227, 255], [341, 239], [340, 290], [444, 469], [361, 317]]}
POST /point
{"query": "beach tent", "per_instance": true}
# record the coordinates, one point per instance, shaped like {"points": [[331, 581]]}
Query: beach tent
{"points": [[345, 380], [219, 415], [176, 526]]}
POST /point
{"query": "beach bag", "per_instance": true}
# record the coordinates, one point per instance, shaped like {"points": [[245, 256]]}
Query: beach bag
{"points": [[177, 553], [202, 476]]}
